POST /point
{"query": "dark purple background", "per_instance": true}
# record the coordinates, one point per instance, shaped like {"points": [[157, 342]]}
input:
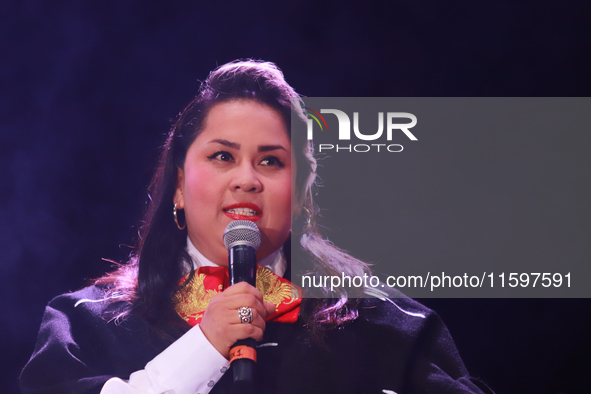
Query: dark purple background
{"points": [[88, 89]]}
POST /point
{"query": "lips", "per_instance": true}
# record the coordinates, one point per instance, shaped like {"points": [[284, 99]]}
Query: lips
{"points": [[243, 211]]}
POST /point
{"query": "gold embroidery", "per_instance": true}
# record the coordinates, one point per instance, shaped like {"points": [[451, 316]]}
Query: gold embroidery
{"points": [[273, 289], [192, 300]]}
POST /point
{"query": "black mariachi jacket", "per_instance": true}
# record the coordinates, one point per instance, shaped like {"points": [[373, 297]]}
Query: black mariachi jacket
{"points": [[394, 346]]}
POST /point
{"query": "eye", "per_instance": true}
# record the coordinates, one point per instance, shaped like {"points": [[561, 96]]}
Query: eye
{"points": [[272, 161], [221, 156]]}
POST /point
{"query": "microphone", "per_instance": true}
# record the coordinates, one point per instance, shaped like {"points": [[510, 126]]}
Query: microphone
{"points": [[242, 239]]}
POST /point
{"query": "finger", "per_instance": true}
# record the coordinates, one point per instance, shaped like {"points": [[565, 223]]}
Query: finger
{"points": [[233, 317], [243, 331], [257, 320], [269, 308], [248, 300], [244, 288]]}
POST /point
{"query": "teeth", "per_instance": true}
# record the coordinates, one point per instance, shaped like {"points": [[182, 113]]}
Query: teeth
{"points": [[242, 211]]}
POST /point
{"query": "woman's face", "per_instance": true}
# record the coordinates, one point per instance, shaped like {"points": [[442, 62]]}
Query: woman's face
{"points": [[238, 168]]}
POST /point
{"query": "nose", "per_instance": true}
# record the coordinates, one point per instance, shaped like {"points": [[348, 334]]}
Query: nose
{"points": [[246, 179]]}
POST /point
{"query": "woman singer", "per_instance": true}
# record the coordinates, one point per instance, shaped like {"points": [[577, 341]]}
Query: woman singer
{"points": [[167, 320]]}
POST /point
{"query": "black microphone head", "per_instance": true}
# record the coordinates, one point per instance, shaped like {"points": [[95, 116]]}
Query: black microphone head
{"points": [[242, 232]]}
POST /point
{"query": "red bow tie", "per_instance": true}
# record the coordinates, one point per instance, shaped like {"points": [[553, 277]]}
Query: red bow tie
{"points": [[192, 300]]}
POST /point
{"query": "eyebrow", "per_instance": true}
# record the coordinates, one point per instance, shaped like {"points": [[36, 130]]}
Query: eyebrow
{"points": [[227, 143], [234, 145], [267, 148]]}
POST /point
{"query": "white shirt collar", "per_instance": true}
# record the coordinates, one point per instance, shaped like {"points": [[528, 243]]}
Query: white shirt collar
{"points": [[275, 262]]}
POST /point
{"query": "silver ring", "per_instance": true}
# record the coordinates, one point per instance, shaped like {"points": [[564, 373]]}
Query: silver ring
{"points": [[245, 314]]}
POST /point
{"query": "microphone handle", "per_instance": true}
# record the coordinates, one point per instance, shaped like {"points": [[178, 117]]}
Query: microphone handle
{"points": [[242, 263], [242, 268]]}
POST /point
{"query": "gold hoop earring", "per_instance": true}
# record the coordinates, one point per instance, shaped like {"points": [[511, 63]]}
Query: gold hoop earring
{"points": [[308, 222], [176, 220]]}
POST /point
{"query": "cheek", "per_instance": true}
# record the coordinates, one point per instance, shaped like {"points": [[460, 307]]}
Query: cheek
{"points": [[201, 188], [277, 208], [283, 200]]}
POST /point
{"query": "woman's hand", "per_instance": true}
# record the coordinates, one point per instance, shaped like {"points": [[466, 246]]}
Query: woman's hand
{"points": [[221, 324]]}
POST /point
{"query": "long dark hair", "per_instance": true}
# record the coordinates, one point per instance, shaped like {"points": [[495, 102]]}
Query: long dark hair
{"points": [[149, 280]]}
